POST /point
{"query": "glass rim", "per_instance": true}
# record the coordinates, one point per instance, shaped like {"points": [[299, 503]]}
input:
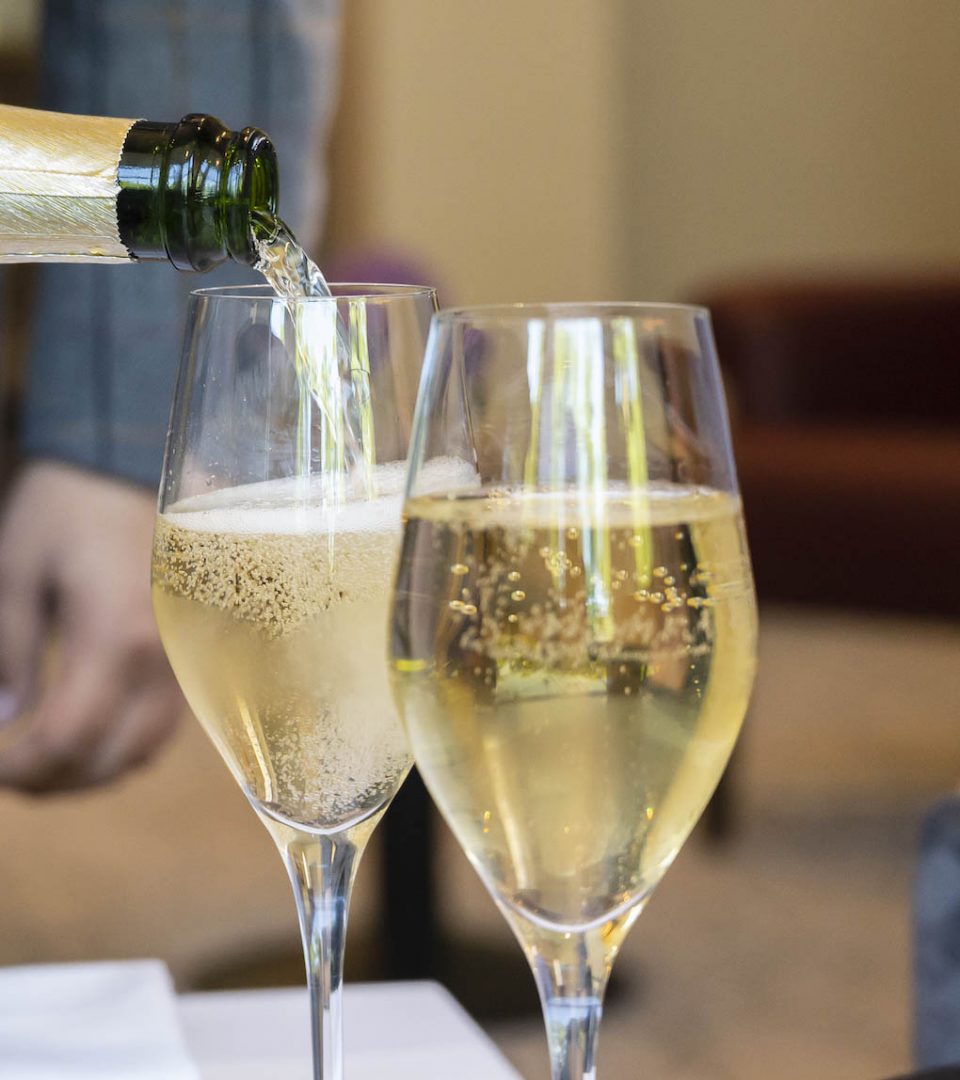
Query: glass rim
{"points": [[368, 292], [565, 309]]}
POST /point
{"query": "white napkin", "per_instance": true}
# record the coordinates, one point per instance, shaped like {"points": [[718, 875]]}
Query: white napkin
{"points": [[392, 1031], [104, 1021]]}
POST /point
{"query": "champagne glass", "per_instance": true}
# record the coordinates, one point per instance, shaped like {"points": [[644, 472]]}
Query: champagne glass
{"points": [[574, 626], [274, 552]]}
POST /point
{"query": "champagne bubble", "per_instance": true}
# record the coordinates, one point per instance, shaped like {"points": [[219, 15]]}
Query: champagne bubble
{"points": [[251, 587]]}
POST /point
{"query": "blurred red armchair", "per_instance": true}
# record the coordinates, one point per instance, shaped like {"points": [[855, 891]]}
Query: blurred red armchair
{"points": [[845, 402]]}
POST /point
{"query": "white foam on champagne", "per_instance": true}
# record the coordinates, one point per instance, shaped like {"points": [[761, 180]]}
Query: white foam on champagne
{"points": [[291, 505], [267, 554]]}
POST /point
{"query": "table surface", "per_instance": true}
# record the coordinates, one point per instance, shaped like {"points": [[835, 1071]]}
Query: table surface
{"points": [[407, 1031]]}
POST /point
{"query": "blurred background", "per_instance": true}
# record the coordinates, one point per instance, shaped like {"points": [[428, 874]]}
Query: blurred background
{"points": [[795, 167], [647, 148]]}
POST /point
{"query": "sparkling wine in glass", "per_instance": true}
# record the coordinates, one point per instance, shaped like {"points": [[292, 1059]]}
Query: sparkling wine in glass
{"points": [[274, 554], [574, 627]]}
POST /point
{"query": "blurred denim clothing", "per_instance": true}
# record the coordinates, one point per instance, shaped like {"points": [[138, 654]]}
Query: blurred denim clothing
{"points": [[106, 340], [936, 929]]}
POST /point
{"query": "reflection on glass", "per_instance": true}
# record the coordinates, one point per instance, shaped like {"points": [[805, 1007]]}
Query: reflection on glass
{"points": [[574, 627], [274, 553]]}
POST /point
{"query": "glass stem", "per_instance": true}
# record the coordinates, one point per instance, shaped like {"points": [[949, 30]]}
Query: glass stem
{"points": [[322, 869], [571, 971]]}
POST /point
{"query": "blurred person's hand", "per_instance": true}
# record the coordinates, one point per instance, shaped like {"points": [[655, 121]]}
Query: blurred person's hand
{"points": [[85, 689]]}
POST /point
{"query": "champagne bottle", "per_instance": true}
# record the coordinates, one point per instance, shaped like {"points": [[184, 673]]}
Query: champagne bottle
{"points": [[93, 189]]}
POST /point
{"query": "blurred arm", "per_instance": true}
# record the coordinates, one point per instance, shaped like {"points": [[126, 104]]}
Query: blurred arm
{"points": [[75, 541]]}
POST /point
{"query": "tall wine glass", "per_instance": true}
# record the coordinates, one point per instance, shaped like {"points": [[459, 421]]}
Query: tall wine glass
{"points": [[573, 632], [274, 552]]}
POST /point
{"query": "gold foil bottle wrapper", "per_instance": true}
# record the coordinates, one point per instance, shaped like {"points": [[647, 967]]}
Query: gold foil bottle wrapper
{"points": [[58, 186]]}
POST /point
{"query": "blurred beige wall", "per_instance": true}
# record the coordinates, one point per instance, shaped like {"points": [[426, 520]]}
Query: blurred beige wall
{"points": [[816, 135], [19, 21], [482, 137], [525, 149]]}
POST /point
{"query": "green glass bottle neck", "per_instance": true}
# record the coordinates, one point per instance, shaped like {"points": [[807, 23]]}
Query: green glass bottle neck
{"points": [[188, 191]]}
